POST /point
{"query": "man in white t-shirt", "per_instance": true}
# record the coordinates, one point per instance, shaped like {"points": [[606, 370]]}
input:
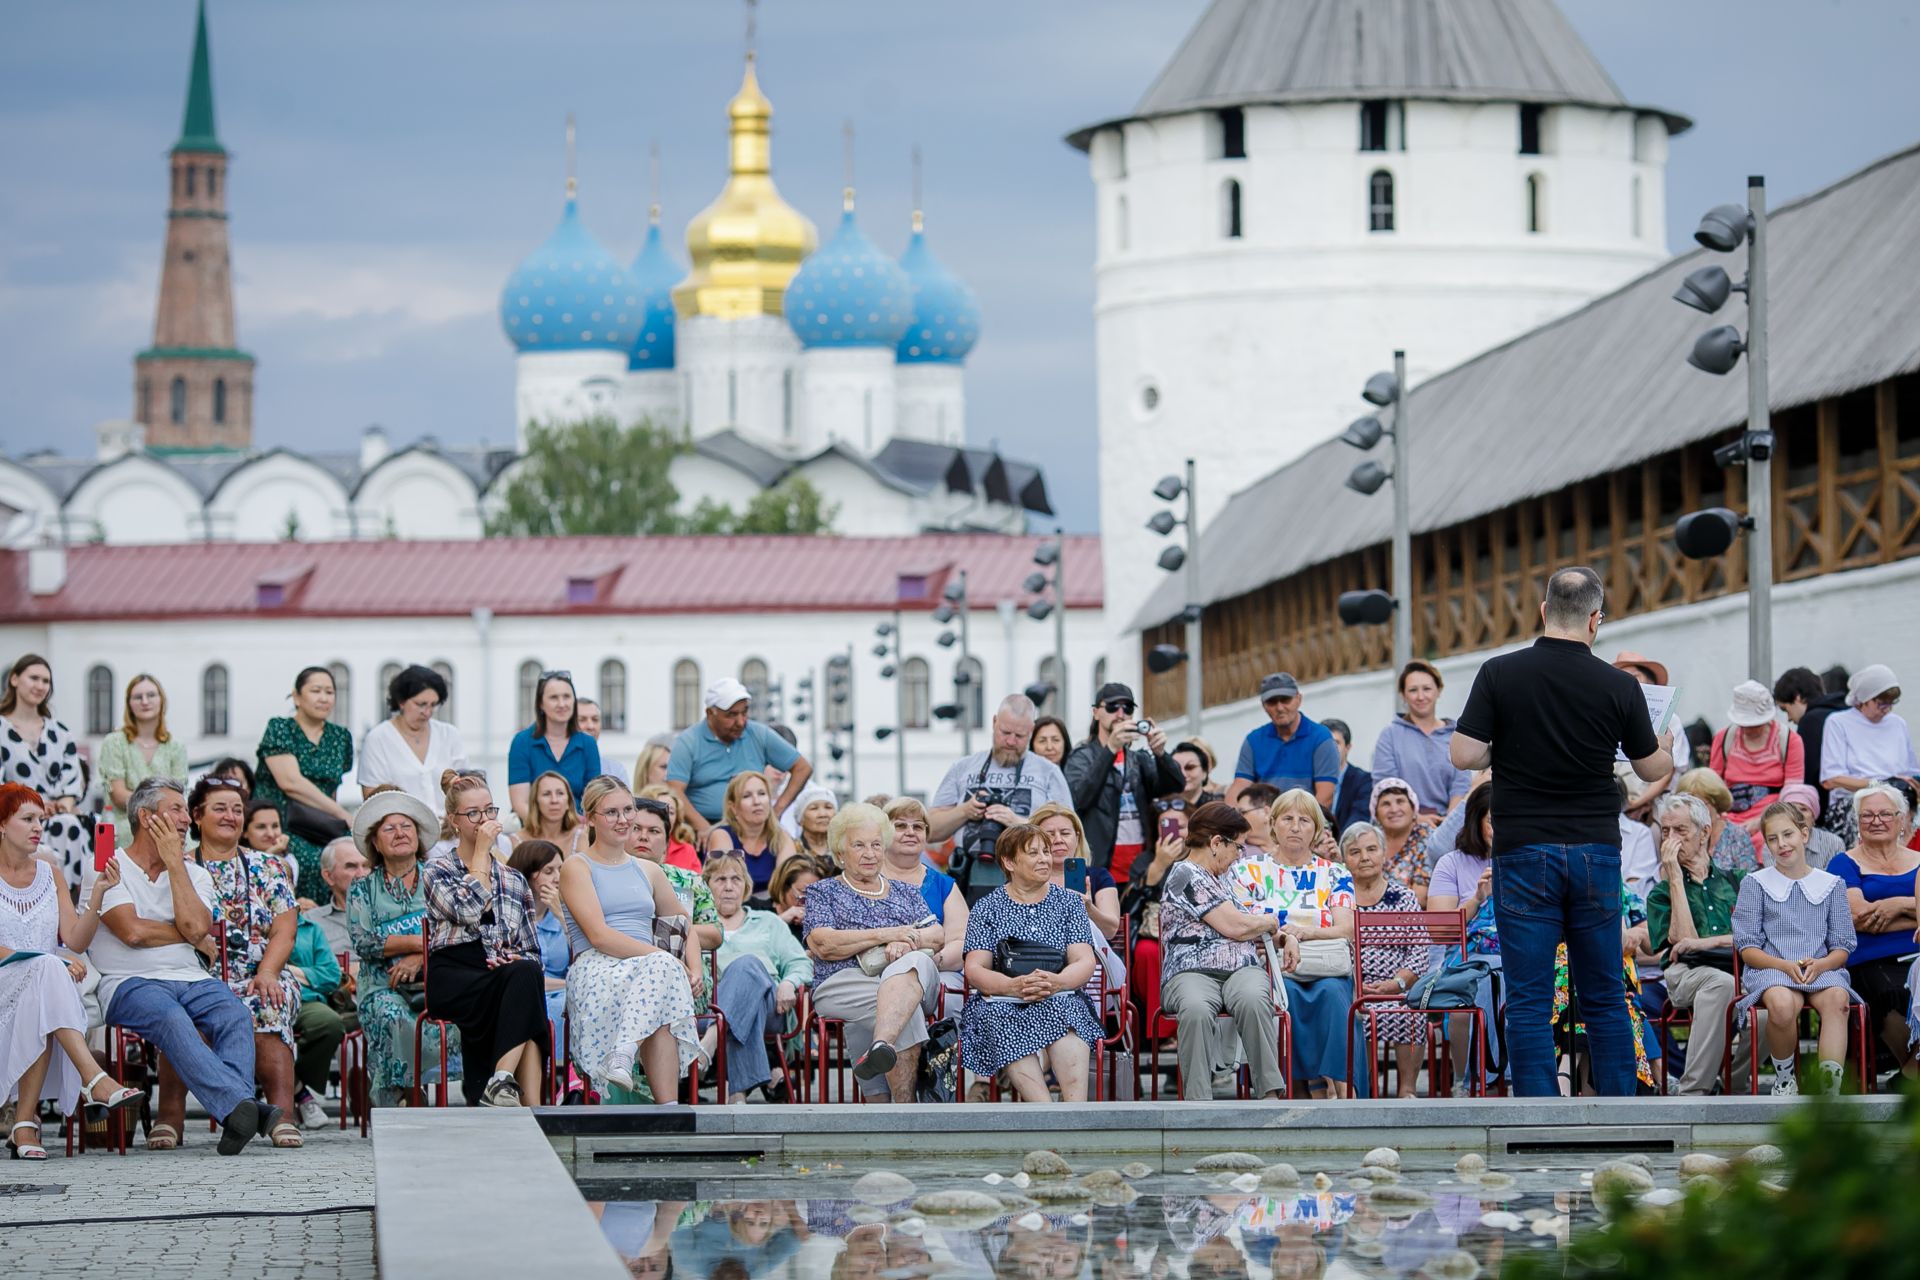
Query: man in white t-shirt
{"points": [[989, 791], [152, 980]]}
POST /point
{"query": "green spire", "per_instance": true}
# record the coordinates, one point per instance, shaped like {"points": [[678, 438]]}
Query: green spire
{"points": [[196, 131]]}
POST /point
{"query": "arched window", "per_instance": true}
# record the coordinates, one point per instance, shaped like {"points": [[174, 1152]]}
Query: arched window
{"points": [[1233, 134], [213, 701], [219, 399], [753, 674], [99, 700], [213, 182], [1099, 677], [839, 694], [146, 388], [970, 691], [916, 693], [388, 670], [686, 693], [613, 696], [190, 173], [1050, 675], [1122, 232], [529, 681], [177, 408], [444, 670], [1380, 201], [1230, 208], [1536, 203], [343, 695]]}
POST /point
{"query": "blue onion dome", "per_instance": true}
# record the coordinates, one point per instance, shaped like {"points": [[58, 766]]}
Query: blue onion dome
{"points": [[571, 295], [946, 317], [654, 273], [848, 293]]}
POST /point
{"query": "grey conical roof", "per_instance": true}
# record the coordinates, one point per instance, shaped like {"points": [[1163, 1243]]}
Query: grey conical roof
{"points": [[1245, 52]]}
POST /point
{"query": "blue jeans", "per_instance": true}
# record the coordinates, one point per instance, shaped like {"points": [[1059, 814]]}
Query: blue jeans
{"points": [[1543, 895], [745, 993], [202, 1027]]}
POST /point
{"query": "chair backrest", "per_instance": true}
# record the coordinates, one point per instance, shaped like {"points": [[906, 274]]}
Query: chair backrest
{"points": [[1378, 929]]}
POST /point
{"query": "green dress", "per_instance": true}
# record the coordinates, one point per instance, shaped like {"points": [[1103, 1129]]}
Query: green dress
{"points": [[322, 763], [121, 761]]}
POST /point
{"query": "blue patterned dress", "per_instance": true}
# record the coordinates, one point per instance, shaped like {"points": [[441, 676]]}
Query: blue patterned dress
{"points": [[994, 1033], [248, 893], [379, 908]]}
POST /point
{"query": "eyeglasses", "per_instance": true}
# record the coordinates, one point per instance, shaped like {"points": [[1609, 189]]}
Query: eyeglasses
{"points": [[618, 817], [1876, 819], [1887, 700], [487, 814], [557, 675], [1117, 708], [234, 783]]}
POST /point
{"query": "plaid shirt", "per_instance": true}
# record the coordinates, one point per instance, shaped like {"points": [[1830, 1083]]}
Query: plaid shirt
{"points": [[459, 910]]}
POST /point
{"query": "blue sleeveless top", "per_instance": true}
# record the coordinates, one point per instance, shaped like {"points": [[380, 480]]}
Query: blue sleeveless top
{"points": [[759, 865], [626, 902]]}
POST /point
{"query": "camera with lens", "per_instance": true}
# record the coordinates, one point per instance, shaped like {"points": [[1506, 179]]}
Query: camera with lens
{"points": [[978, 838]]}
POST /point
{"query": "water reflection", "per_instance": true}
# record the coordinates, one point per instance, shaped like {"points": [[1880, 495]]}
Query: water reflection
{"points": [[1212, 1236]]}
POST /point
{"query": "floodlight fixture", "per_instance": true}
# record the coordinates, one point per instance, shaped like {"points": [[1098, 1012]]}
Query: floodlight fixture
{"points": [[1163, 658], [1382, 389], [1046, 553], [1724, 227], [1365, 608], [1368, 477], [1162, 523], [1172, 558], [1705, 289], [1040, 610], [1363, 433], [1717, 350], [1702, 535], [1169, 488]]}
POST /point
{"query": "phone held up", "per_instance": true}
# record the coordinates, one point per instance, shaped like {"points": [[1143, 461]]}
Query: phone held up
{"points": [[1169, 827], [102, 845], [1076, 875]]}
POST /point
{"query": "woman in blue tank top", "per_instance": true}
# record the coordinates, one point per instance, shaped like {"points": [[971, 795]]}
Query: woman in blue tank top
{"points": [[749, 828], [626, 998]]}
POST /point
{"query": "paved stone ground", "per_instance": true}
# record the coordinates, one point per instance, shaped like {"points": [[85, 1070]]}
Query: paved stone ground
{"points": [[120, 1204]]}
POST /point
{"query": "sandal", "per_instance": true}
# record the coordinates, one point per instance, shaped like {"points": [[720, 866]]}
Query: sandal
{"points": [[120, 1099], [25, 1150], [163, 1137], [287, 1135]]}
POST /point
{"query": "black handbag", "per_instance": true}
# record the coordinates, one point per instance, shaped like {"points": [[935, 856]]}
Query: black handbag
{"points": [[315, 826], [1016, 958]]}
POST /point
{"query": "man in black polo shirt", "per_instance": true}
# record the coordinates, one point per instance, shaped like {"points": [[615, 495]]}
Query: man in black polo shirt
{"points": [[1548, 720]]}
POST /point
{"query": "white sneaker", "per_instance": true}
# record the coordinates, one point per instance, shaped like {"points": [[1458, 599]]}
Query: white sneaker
{"points": [[312, 1114], [1784, 1085], [622, 1076]]}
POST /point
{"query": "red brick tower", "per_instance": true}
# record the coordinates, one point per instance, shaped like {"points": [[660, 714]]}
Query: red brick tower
{"points": [[193, 388]]}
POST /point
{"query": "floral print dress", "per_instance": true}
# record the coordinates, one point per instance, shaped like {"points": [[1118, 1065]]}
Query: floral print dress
{"points": [[1378, 963], [248, 893], [322, 763], [51, 766], [1633, 911]]}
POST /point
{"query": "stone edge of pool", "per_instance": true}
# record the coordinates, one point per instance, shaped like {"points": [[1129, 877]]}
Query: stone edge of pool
{"points": [[433, 1168]]}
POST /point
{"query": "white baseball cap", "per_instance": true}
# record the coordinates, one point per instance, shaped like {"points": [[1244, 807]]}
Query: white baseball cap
{"points": [[726, 691]]}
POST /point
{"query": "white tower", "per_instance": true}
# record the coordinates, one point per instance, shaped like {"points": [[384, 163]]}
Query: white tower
{"points": [[1311, 184]]}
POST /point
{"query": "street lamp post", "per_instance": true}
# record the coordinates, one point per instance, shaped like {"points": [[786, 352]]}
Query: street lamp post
{"points": [[1173, 559], [953, 606], [1386, 390], [1702, 534], [1052, 555], [889, 633]]}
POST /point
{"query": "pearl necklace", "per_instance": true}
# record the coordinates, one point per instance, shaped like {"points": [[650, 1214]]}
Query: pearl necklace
{"points": [[884, 890]]}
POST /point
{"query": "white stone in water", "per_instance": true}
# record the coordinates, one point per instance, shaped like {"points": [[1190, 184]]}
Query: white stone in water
{"points": [[1014, 1202], [1399, 1201], [1501, 1220], [956, 1201], [1702, 1162], [1229, 1162], [1279, 1175], [1045, 1164], [1470, 1165], [1618, 1175], [1385, 1157], [1079, 1219], [1102, 1178], [1381, 1176], [1030, 1222], [1586, 1179], [1494, 1180], [1640, 1158], [1358, 1183], [1245, 1182], [1662, 1197], [1051, 1192], [1321, 1182], [1137, 1170], [1021, 1179], [993, 1179], [910, 1226], [882, 1187], [866, 1214], [1764, 1154]]}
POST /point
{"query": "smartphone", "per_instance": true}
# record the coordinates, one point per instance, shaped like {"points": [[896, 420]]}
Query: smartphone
{"points": [[102, 845], [1076, 875], [1169, 827]]}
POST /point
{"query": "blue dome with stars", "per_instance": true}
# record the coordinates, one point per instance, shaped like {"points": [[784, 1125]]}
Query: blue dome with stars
{"points": [[571, 295], [849, 294], [946, 318], [654, 273]]}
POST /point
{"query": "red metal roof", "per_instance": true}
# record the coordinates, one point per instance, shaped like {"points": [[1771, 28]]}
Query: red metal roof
{"points": [[530, 576]]}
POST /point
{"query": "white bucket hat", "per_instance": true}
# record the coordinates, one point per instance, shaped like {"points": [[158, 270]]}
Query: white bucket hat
{"points": [[1752, 705], [1869, 683], [371, 813]]}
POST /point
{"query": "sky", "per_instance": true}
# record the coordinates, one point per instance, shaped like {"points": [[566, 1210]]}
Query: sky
{"points": [[392, 163]]}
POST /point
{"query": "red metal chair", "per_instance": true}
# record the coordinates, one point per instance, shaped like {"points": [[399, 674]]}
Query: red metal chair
{"points": [[1102, 1064], [120, 1044], [1677, 1017], [416, 1094], [1859, 1034], [719, 1022], [1447, 929], [1164, 1025]]}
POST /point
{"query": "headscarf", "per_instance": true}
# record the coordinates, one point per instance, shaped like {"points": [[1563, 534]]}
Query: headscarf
{"points": [[790, 820]]}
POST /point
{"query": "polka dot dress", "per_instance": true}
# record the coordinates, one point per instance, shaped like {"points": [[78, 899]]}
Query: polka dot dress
{"points": [[998, 1032], [51, 767]]}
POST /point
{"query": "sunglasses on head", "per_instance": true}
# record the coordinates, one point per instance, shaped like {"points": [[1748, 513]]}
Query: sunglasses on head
{"points": [[234, 783], [658, 808], [1117, 708], [557, 675]]}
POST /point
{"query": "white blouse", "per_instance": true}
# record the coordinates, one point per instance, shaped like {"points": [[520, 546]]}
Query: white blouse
{"points": [[386, 759], [1851, 746]]}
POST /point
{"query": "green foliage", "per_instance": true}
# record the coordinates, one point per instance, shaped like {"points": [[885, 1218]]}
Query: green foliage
{"points": [[792, 506], [1845, 1212], [290, 530], [597, 477], [591, 477]]}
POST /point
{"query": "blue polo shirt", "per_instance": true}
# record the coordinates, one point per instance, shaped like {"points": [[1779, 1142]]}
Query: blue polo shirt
{"points": [[707, 764], [529, 756], [1310, 756]]}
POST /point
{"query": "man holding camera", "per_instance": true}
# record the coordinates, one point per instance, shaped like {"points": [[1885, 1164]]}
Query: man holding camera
{"points": [[985, 793], [1115, 777]]}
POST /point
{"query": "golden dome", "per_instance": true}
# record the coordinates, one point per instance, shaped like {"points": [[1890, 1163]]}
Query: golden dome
{"points": [[748, 243]]}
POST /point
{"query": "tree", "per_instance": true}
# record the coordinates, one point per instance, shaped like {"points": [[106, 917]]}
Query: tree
{"points": [[792, 506], [591, 476]]}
